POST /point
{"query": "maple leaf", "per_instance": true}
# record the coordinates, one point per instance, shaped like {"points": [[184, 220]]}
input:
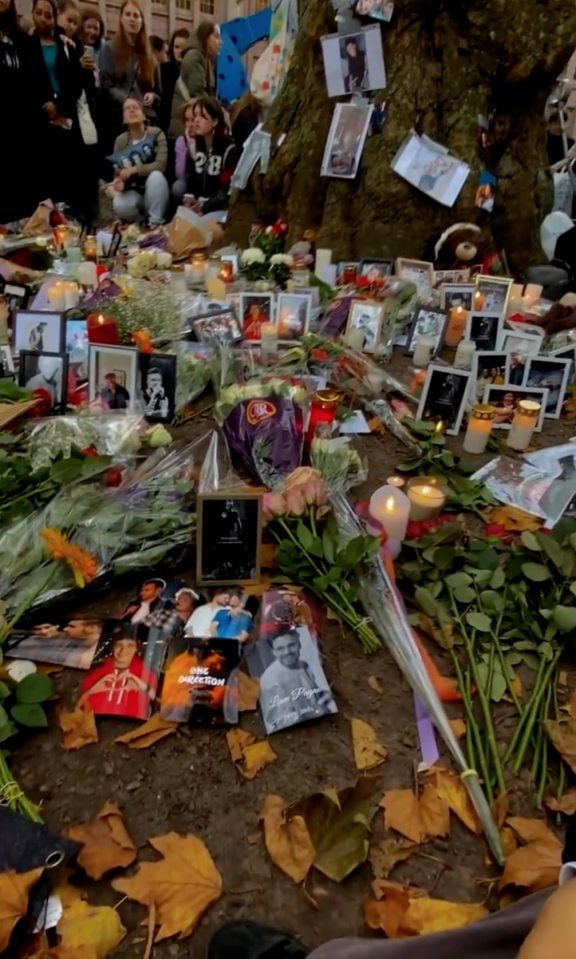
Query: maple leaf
{"points": [[14, 890], [562, 735], [419, 819], [180, 887], [534, 866], [106, 843], [249, 757], [63, 952], [386, 855], [148, 733], [86, 927], [451, 788], [287, 839], [368, 750], [566, 805], [78, 728], [248, 692], [402, 911]]}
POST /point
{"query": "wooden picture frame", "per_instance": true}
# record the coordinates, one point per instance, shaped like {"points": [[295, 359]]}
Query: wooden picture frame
{"points": [[251, 543]]}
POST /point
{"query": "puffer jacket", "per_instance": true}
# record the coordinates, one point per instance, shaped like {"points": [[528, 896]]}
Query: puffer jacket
{"points": [[196, 78]]}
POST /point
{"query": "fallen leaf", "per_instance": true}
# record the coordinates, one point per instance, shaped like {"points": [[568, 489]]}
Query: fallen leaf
{"points": [[387, 915], [451, 788], [426, 916], [106, 843], [287, 839], [87, 927], [417, 819], [517, 687], [148, 733], [458, 727], [500, 809], [249, 757], [375, 424], [562, 735], [566, 805], [513, 519], [63, 952], [48, 669], [339, 826], [237, 740], [268, 556], [529, 830], [368, 750], [386, 855], [248, 692], [181, 886], [78, 728], [382, 887], [508, 840], [14, 890], [375, 684], [534, 866]]}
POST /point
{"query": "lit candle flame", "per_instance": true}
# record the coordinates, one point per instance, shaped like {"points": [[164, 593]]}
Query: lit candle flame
{"points": [[439, 428], [390, 504], [426, 490], [100, 319]]}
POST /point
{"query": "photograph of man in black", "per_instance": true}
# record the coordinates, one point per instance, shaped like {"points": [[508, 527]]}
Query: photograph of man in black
{"points": [[229, 539]]}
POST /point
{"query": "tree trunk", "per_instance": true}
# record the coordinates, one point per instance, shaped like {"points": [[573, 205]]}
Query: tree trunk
{"points": [[448, 62]]}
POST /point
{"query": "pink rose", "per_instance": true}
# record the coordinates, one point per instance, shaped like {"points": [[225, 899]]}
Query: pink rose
{"points": [[301, 475], [295, 501], [273, 505]]}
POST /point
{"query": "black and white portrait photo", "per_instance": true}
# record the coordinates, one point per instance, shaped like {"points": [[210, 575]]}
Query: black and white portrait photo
{"points": [[375, 270], [354, 62], [220, 328], [366, 317], [427, 323], [229, 538], [112, 376], [157, 386], [16, 297], [40, 332], [293, 685], [454, 295], [47, 372], [444, 397], [485, 329], [6, 362], [552, 374]]}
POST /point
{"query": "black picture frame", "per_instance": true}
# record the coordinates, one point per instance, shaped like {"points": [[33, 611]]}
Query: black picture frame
{"points": [[158, 405], [226, 545]]}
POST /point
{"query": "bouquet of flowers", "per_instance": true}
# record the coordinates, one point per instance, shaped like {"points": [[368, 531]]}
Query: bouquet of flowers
{"points": [[338, 462], [194, 371], [261, 259], [263, 422], [138, 305]]}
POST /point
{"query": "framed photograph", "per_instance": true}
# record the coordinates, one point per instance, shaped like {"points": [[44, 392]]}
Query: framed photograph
{"points": [[76, 339], [377, 9], [567, 353], [112, 376], [451, 276], [234, 302], [367, 317], [347, 271], [417, 271], [486, 330], [16, 296], [520, 348], [157, 386], [354, 62], [505, 400], [346, 140], [427, 323], [228, 539], [40, 331], [489, 369], [428, 166], [457, 294], [552, 374], [444, 396], [293, 312], [255, 309], [45, 371], [496, 291], [376, 269], [218, 328], [6, 363]]}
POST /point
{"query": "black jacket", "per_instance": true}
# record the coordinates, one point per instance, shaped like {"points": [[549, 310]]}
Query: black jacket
{"points": [[209, 172], [68, 74]]}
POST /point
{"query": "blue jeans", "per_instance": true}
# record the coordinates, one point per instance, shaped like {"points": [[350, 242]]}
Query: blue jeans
{"points": [[150, 205]]}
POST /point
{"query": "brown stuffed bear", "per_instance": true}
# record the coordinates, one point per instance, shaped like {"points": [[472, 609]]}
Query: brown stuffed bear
{"points": [[463, 245]]}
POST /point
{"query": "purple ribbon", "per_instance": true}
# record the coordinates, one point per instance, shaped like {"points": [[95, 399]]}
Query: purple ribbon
{"points": [[426, 734]]}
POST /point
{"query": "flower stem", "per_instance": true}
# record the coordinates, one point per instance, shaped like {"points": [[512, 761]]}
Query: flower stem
{"points": [[12, 796], [533, 712], [465, 691], [524, 714]]}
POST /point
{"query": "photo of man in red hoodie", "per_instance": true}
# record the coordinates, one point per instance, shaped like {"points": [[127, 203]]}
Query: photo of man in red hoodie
{"points": [[121, 684]]}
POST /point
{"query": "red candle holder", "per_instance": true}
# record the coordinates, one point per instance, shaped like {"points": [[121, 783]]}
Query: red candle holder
{"points": [[322, 411], [102, 328]]}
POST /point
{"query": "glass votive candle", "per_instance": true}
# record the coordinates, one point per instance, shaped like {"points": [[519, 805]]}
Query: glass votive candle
{"points": [[427, 497], [323, 410], [479, 300], [480, 422], [423, 350], [417, 382], [456, 325], [523, 425], [90, 248], [465, 354]]}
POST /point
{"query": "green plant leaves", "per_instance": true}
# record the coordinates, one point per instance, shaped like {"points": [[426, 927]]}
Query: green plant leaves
{"points": [[535, 572], [4, 690], [426, 601], [35, 688], [454, 580], [29, 714], [464, 594], [479, 621], [530, 541], [565, 618]]}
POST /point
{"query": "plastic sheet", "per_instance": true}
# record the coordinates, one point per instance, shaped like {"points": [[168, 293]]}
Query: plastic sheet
{"points": [[114, 434]]}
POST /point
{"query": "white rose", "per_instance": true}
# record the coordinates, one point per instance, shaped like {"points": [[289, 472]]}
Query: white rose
{"points": [[252, 255], [281, 259], [19, 669]]}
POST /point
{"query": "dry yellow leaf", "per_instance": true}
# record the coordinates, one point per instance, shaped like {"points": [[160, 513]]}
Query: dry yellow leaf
{"points": [[250, 757], [14, 890], [529, 830], [562, 735], [451, 788], [426, 916], [566, 805], [417, 819], [63, 952], [458, 727], [96, 928], [508, 840], [78, 728], [517, 687], [106, 843], [368, 750], [148, 733], [562, 678], [181, 886], [513, 519], [287, 839], [248, 692], [388, 853], [237, 740], [434, 813], [387, 915], [402, 911], [375, 684], [534, 866], [500, 809]]}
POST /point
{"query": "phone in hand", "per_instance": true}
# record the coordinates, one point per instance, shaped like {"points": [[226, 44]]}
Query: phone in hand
{"points": [[89, 52]]}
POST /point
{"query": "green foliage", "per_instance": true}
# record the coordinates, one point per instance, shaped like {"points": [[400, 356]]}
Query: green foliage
{"points": [[20, 704]]}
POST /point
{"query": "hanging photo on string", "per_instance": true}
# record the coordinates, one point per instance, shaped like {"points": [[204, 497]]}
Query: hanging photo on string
{"points": [[377, 9], [346, 140], [354, 62], [486, 191]]}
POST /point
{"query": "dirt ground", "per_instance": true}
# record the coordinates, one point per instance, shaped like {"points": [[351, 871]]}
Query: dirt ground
{"points": [[188, 783]]}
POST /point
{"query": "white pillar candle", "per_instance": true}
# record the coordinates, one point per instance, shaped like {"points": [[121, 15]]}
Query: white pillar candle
{"points": [[423, 350], [56, 297], [479, 428], [465, 354], [523, 424], [533, 290], [87, 274], [71, 294], [391, 508], [323, 258], [396, 481], [426, 498]]}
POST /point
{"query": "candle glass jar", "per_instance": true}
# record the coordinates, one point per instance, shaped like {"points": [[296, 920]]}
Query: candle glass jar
{"points": [[523, 425], [480, 423], [465, 354], [61, 236], [423, 350], [456, 325], [90, 248], [323, 410], [426, 496], [102, 328]]}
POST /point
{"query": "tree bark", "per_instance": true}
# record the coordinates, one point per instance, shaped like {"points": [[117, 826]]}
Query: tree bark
{"points": [[447, 62]]}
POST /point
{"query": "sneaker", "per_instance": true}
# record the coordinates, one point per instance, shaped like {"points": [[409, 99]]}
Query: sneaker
{"points": [[250, 940]]}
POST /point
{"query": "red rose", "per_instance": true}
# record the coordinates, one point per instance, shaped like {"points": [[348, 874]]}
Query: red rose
{"points": [[318, 354], [113, 476], [90, 451]]}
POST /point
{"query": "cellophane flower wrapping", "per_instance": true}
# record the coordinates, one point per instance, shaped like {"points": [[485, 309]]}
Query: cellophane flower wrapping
{"points": [[194, 371], [117, 434], [263, 422], [341, 465]]}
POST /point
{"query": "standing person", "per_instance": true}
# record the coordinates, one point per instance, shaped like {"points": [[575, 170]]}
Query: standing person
{"points": [[140, 157], [211, 158], [169, 73], [91, 31], [356, 60], [68, 18], [197, 72], [128, 69]]}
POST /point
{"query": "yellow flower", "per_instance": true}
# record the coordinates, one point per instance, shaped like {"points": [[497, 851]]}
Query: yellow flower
{"points": [[83, 566]]}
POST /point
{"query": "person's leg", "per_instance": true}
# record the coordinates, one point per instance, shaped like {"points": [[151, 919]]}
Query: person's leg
{"points": [[178, 189], [127, 205], [156, 198]]}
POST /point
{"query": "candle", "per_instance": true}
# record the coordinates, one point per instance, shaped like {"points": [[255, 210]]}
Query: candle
{"points": [[87, 274], [90, 248], [479, 300], [71, 294], [323, 259], [456, 326], [215, 287], [396, 481], [533, 291], [417, 382], [390, 507], [465, 354], [57, 297], [269, 342], [354, 338], [198, 266], [102, 328], [226, 272], [212, 269], [423, 350], [426, 498], [479, 427], [323, 410], [61, 236], [523, 424]]}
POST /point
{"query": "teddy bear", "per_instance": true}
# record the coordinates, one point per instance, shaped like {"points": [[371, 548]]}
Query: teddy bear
{"points": [[464, 245]]}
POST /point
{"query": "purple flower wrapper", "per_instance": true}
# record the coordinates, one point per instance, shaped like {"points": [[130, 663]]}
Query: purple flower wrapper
{"points": [[267, 435]]}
